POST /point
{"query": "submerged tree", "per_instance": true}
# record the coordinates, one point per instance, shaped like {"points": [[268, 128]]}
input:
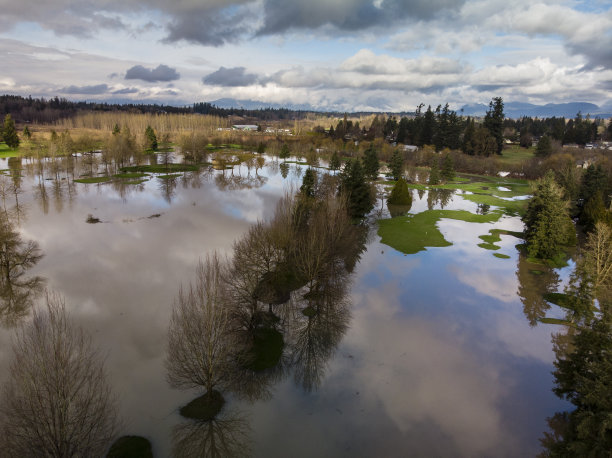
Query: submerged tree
{"points": [[199, 352], [57, 401]]}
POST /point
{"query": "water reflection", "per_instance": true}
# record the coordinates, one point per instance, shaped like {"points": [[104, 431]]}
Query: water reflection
{"points": [[225, 436], [534, 281]]}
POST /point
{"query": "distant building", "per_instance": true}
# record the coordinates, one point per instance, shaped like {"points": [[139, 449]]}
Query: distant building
{"points": [[252, 127]]}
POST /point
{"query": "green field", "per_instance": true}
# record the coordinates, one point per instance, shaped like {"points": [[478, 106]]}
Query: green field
{"points": [[514, 155]]}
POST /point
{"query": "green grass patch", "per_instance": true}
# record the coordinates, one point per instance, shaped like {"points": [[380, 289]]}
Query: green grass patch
{"points": [[169, 176], [5, 151], [557, 321], [560, 299], [501, 256], [130, 176], [134, 181], [92, 180], [204, 408], [160, 168], [489, 246], [515, 154], [131, 447], [413, 233]]}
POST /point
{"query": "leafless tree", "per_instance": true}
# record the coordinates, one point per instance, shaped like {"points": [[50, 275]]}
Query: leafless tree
{"points": [[199, 352], [226, 436], [57, 401]]}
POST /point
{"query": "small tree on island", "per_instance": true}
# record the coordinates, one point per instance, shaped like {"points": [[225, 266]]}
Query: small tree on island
{"points": [[9, 133], [150, 139], [547, 222], [284, 152], [400, 195]]}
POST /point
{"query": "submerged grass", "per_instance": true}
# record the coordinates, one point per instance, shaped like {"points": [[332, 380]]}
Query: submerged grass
{"points": [[160, 168], [413, 233], [501, 255], [92, 180]]}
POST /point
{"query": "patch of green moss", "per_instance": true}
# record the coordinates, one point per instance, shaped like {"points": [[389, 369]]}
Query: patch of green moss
{"points": [[169, 176], [131, 447], [204, 408], [501, 256], [91, 180]]}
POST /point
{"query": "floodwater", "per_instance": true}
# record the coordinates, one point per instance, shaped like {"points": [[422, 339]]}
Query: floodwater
{"points": [[437, 356]]}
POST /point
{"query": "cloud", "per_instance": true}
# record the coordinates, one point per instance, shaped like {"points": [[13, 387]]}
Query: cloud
{"points": [[160, 73], [85, 90], [127, 90], [347, 15], [230, 77]]}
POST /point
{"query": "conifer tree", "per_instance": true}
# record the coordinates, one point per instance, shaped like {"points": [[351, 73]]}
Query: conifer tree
{"points": [[544, 147], [357, 191], [26, 133], [9, 133], [494, 122], [448, 168], [150, 139], [434, 172], [334, 162], [370, 163], [284, 152], [547, 222], [309, 183], [400, 194], [396, 165]]}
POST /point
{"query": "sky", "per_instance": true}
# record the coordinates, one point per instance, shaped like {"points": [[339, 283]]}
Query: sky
{"points": [[347, 55]]}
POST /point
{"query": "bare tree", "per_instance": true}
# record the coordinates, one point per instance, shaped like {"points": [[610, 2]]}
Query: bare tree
{"points": [[221, 437], [199, 347], [57, 402]]}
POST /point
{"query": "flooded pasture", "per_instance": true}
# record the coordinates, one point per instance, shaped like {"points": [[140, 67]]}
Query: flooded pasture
{"points": [[434, 353]]}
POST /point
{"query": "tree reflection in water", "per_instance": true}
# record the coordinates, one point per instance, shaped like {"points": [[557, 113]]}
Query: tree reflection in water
{"points": [[228, 435], [17, 290], [285, 290]]}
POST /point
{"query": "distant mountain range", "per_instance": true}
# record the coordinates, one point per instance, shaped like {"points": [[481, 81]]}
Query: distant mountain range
{"points": [[519, 109], [511, 109]]}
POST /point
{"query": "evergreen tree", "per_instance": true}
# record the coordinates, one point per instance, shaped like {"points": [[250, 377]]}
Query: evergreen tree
{"points": [[117, 129], [261, 148], [468, 137], [547, 222], [429, 127], [9, 133], [26, 133], [397, 165], [400, 194], [434, 172], [309, 183], [357, 191], [544, 147], [448, 168], [334, 162], [370, 163], [284, 152], [584, 378], [494, 122], [402, 131], [150, 139]]}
